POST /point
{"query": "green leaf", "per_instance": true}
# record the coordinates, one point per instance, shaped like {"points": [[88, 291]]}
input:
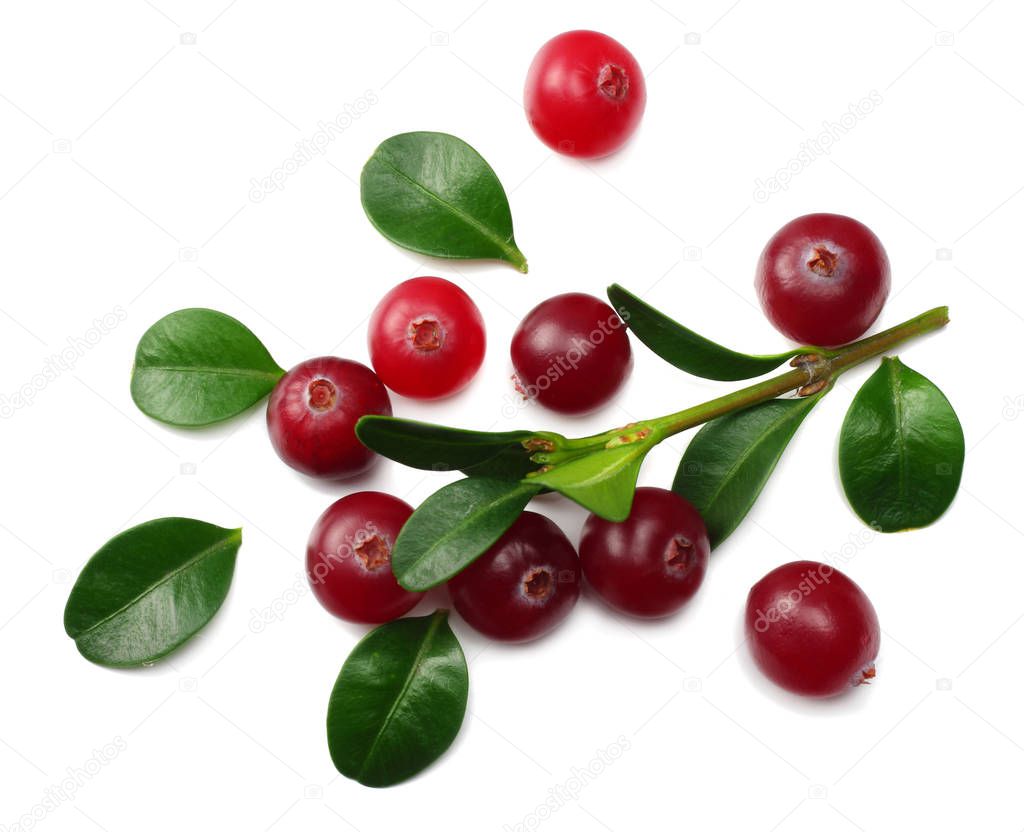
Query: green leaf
{"points": [[685, 349], [433, 193], [453, 527], [197, 366], [438, 448], [399, 701], [901, 450], [602, 481], [729, 460], [150, 589]]}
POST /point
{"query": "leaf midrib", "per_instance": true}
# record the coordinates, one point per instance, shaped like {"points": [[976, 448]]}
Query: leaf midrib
{"points": [[217, 371], [428, 639], [199, 556], [500, 242], [742, 458], [899, 415], [458, 528]]}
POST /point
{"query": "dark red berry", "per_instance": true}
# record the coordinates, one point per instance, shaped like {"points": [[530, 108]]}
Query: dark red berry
{"points": [[348, 558], [585, 94], [823, 279], [571, 353], [812, 630], [313, 411], [651, 564], [522, 586], [426, 338]]}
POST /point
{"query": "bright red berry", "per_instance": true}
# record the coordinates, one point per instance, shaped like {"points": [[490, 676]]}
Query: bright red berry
{"points": [[585, 94], [348, 558], [823, 279], [812, 630], [651, 564], [426, 338], [571, 353], [312, 415], [522, 586]]}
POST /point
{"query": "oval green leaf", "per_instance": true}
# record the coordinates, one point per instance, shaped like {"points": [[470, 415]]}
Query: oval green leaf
{"points": [[399, 701], [198, 366], [602, 481], [438, 448], [685, 349], [454, 526], [433, 193], [150, 589], [729, 460], [901, 450]]}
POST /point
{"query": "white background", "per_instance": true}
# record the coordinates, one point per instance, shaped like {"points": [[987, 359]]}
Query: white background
{"points": [[127, 158]]}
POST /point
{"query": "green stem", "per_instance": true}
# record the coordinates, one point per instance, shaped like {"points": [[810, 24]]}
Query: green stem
{"points": [[826, 369]]}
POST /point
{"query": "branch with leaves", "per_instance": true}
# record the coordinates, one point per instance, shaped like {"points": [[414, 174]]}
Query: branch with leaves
{"points": [[900, 458]]}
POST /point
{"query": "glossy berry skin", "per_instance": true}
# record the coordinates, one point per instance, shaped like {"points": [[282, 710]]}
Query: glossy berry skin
{"points": [[823, 279], [651, 564], [426, 338], [585, 94], [312, 415], [523, 586], [811, 629], [348, 558], [571, 353]]}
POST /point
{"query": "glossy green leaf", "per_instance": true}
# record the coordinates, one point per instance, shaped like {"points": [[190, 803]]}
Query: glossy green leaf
{"points": [[150, 589], [399, 701], [901, 450], [602, 482], [729, 460], [197, 366], [685, 349], [433, 193], [438, 448], [454, 526]]}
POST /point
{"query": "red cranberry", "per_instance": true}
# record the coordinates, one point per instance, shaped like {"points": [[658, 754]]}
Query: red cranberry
{"points": [[426, 338], [585, 94], [571, 353], [823, 279], [522, 586], [812, 630], [651, 564], [313, 411], [348, 558]]}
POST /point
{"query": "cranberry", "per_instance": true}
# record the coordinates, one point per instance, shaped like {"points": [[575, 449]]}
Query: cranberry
{"points": [[571, 353], [823, 279], [651, 564], [812, 630], [426, 338], [584, 94], [313, 411], [522, 586], [348, 558]]}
